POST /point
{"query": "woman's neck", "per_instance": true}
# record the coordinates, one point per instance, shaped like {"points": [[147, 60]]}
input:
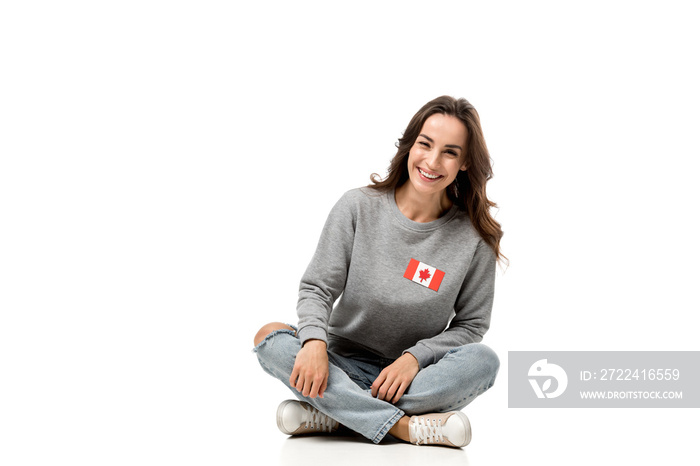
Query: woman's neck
{"points": [[420, 207]]}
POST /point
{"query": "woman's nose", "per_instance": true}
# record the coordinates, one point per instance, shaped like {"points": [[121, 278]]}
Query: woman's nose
{"points": [[434, 159]]}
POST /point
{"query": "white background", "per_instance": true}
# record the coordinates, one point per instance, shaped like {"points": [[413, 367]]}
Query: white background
{"points": [[166, 168]]}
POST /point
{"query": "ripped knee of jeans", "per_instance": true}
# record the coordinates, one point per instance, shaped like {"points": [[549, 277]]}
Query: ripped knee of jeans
{"points": [[273, 334]]}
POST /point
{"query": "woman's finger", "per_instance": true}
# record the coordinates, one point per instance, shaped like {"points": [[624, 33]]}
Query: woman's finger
{"points": [[300, 383], [385, 390], [399, 393], [293, 377], [323, 387], [378, 383], [315, 386], [392, 390]]}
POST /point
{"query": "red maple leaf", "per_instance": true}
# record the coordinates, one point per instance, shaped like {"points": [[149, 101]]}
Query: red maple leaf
{"points": [[424, 274]]}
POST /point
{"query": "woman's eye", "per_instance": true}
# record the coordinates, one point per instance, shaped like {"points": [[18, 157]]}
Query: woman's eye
{"points": [[451, 152], [423, 143]]}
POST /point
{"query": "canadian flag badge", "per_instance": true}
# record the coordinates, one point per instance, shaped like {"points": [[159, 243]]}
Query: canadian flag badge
{"points": [[424, 274]]}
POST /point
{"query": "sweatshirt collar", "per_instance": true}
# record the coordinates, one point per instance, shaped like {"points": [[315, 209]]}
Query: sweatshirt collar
{"points": [[418, 226]]}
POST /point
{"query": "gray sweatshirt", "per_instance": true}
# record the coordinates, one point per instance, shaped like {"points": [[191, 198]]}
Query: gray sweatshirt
{"points": [[422, 288]]}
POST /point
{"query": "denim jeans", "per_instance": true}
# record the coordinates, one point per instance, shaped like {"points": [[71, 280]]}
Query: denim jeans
{"points": [[448, 385]]}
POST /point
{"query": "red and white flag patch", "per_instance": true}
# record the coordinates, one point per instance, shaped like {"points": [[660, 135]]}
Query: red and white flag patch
{"points": [[424, 274]]}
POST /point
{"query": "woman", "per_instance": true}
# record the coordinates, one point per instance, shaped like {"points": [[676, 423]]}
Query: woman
{"points": [[414, 258]]}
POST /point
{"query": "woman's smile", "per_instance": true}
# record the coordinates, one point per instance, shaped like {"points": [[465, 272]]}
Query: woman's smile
{"points": [[427, 175]]}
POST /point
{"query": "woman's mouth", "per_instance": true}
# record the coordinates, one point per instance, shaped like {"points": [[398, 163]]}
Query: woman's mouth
{"points": [[428, 176]]}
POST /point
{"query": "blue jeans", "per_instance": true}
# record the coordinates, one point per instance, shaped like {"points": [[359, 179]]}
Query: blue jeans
{"points": [[449, 385]]}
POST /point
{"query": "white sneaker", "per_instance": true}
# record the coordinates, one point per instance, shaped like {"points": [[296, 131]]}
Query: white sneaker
{"points": [[451, 429], [298, 417]]}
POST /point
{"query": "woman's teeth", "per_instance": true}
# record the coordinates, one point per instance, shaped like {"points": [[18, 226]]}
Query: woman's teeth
{"points": [[429, 176]]}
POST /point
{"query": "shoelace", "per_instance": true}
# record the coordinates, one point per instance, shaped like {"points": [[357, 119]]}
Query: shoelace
{"points": [[426, 430], [317, 420]]}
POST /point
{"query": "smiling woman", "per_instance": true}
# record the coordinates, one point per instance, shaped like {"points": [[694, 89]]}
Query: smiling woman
{"points": [[411, 260]]}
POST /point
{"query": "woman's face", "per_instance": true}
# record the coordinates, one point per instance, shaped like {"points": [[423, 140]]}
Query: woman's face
{"points": [[438, 154]]}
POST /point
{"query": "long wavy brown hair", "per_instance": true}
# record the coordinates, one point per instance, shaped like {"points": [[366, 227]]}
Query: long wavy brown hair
{"points": [[468, 191]]}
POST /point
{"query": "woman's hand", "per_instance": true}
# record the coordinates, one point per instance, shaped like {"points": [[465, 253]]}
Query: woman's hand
{"points": [[310, 373], [394, 380]]}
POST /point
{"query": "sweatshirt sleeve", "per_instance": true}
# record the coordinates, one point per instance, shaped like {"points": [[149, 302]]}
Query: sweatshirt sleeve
{"points": [[324, 279], [472, 310]]}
